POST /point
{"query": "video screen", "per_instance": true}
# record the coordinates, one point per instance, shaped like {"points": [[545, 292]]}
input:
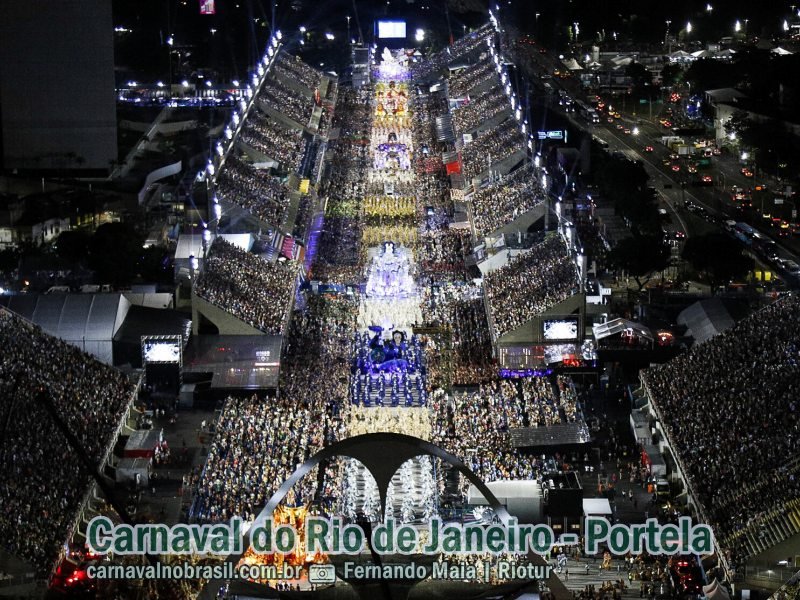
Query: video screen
{"points": [[559, 353], [162, 351], [560, 329], [391, 29]]}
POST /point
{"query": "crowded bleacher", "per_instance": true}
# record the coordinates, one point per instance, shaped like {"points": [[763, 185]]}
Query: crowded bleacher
{"points": [[529, 284], [287, 101], [254, 190], [461, 82], [252, 289], [437, 63], [293, 68], [265, 135], [491, 147], [499, 203], [43, 479], [730, 408], [480, 109]]}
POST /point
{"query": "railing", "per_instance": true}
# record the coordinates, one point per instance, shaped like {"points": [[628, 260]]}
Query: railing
{"points": [[783, 591], [698, 507]]}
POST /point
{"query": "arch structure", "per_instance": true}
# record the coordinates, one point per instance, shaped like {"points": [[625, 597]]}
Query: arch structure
{"points": [[382, 454]]}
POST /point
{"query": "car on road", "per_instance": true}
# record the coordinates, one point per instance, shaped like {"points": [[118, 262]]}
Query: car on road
{"points": [[626, 131], [746, 172], [790, 267], [674, 156], [708, 179], [692, 168], [676, 168], [610, 119], [648, 148], [620, 126]]}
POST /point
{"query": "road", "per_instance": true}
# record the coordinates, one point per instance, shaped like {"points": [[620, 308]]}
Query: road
{"points": [[715, 199]]}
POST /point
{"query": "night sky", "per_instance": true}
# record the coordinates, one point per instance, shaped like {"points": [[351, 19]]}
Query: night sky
{"points": [[242, 27]]}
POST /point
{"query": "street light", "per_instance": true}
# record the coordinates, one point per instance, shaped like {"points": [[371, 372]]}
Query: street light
{"points": [[738, 26], [303, 29], [419, 35], [689, 27], [330, 37]]}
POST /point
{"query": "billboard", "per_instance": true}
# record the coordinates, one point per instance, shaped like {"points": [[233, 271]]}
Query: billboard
{"points": [[161, 349], [391, 29], [560, 329], [207, 7]]}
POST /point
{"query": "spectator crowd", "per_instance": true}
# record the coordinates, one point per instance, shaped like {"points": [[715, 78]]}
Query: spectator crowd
{"points": [[529, 284], [249, 287], [731, 409], [43, 480]]}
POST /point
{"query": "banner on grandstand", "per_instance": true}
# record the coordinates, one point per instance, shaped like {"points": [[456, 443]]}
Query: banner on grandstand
{"points": [[304, 183], [454, 167], [456, 194], [207, 7]]}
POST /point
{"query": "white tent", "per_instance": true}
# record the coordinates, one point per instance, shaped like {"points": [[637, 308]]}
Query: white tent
{"points": [[781, 51], [714, 591], [596, 507]]}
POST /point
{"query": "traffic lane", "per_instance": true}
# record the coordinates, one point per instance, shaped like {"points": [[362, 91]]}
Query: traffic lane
{"points": [[702, 196]]}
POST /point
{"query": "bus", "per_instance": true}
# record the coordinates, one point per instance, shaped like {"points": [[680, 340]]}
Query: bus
{"points": [[746, 234]]}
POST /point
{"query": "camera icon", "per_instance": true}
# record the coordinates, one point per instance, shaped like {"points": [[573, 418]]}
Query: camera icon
{"points": [[321, 574]]}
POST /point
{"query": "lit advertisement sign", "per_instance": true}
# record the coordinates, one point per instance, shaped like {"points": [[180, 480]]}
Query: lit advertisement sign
{"points": [[391, 29], [207, 7]]}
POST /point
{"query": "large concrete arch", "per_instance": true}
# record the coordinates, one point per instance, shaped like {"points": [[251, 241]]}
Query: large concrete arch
{"points": [[382, 454]]}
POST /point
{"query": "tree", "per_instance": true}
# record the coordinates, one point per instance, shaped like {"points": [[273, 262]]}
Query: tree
{"points": [[114, 252], [73, 245], [641, 256], [671, 74], [718, 257], [738, 124], [155, 265], [624, 183], [640, 76], [709, 74], [9, 260]]}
